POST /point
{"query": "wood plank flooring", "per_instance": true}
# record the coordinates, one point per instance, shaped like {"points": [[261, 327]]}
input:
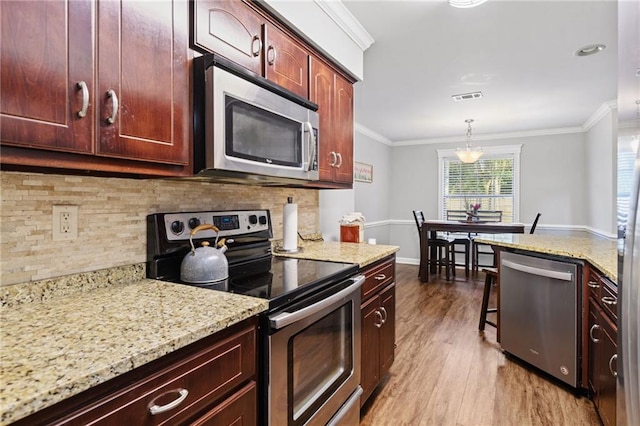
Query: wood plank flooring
{"points": [[446, 372]]}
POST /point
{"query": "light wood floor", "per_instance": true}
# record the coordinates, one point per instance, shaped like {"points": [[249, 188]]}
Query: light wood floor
{"points": [[446, 372]]}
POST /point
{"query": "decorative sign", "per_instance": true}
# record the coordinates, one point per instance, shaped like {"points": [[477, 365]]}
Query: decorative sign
{"points": [[362, 172]]}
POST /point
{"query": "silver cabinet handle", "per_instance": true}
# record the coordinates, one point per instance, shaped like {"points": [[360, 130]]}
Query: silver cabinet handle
{"points": [[339, 158], [379, 315], [384, 312], [283, 319], [114, 105], [593, 284], [609, 300], [556, 275], [380, 277], [85, 98], [334, 157], [159, 409], [271, 55], [594, 327], [614, 357], [255, 51]]}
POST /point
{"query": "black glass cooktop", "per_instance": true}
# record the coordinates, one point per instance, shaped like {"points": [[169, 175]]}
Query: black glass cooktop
{"points": [[282, 280]]}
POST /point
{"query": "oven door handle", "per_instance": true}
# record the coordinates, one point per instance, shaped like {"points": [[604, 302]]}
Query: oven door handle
{"points": [[283, 319]]}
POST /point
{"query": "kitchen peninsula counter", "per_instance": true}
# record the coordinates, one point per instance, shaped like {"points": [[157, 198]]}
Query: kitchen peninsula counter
{"points": [[600, 253], [54, 346], [359, 253]]}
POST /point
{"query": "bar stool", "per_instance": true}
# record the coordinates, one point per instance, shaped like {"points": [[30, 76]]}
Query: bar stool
{"points": [[491, 278]]}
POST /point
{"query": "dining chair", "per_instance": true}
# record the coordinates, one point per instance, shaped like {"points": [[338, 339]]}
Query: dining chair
{"points": [[460, 239], [476, 248], [491, 279], [442, 246]]}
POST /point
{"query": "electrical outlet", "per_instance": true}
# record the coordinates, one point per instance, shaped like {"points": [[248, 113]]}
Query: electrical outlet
{"points": [[65, 223]]}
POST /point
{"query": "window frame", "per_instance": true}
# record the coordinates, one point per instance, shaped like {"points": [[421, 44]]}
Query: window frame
{"points": [[490, 152]]}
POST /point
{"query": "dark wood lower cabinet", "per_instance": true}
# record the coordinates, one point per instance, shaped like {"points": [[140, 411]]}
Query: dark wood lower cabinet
{"points": [[378, 325], [210, 382], [602, 334]]}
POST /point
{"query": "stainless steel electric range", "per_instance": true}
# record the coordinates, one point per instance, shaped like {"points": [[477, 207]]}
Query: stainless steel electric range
{"points": [[310, 335]]}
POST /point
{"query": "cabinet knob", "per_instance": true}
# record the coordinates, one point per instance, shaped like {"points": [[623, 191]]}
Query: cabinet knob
{"points": [[379, 315], [256, 47], [384, 314], [85, 98], [613, 358], [380, 277], [114, 106], [594, 327], [271, 55], [593, 284], [609, 300], [159, 409], [334, 159], [339, 160]]}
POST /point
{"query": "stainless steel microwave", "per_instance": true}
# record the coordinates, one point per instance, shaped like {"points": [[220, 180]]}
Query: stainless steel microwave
{"points": [[247, 128]]}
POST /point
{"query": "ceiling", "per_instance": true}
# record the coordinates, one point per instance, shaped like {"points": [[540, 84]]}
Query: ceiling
{"points": [[519, 54]]}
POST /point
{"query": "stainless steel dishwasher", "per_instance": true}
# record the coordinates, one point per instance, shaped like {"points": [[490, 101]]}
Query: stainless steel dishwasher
{"points": [[539, 313]]}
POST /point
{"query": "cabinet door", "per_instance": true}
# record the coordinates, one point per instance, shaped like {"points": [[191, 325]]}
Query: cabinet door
{"points": [[370, 347], [388, 329], [343, 130], [46, 50], [286, 62], [143, 84], [321, 92], [230, 28]]}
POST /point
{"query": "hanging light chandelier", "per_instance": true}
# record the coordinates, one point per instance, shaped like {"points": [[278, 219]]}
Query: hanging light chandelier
{"points": [[468, 154]]}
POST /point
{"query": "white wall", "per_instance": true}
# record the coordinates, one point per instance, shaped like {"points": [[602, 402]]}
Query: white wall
{"points": [[600, 176]]}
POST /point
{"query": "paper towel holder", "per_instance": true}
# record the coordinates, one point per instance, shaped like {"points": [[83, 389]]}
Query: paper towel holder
{"points": [[280, 249]]}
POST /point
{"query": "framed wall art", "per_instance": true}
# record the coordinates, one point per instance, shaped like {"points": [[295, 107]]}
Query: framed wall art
{"points": [[362, 172]]}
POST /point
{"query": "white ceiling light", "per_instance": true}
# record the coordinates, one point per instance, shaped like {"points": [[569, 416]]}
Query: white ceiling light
{"points": [[467, 96], [468, 154], [463, 4], [591, 49]]}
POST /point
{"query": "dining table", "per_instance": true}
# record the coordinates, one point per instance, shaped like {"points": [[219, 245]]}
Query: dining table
{"points": [[430, 228]]}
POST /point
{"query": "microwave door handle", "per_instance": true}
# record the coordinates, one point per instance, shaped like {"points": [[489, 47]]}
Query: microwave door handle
{"points": [[312, 145]]}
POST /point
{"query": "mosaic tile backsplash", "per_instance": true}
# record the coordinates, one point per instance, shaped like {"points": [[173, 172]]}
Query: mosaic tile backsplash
{"points": [[112, 218]]}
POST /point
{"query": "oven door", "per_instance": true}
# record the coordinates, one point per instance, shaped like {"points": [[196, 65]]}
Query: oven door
{"points": [[314, 358], [257, 131]]}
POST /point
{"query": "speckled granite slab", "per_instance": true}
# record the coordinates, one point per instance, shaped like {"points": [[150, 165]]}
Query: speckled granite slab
{"points": [[360, 253], [599, 252], [54, 349]]}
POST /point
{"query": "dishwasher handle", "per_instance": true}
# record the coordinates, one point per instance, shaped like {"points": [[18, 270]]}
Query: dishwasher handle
{"points": [[557, 275]]}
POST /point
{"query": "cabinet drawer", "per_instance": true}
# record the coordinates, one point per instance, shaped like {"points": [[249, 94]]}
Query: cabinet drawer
{"points": [[378, 276], [594, 282], [240, 408], [609, 299], [198, 381]]}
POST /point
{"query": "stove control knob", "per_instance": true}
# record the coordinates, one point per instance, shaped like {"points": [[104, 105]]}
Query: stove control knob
{"points": [[177, 227], [253, 219], [263, 220], [193, 222]]}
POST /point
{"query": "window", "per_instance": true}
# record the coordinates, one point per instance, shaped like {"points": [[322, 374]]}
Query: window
{"points": [[492, 181]]}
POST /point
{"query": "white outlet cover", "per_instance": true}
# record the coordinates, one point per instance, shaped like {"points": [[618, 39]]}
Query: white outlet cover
{"points": [[56, 225]]}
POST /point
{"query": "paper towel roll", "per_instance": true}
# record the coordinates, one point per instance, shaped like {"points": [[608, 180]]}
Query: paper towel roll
{"points": [[290, 226]]}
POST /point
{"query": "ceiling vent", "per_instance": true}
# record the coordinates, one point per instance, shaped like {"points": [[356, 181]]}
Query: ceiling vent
{"points": [[467, 96]]}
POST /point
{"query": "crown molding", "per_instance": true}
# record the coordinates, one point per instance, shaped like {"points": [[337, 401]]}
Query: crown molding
{"points": [[339, 13], [371, 134], [599, 114]]}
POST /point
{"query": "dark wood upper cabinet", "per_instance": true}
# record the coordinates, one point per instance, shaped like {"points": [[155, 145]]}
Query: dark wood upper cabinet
{"points": [[334, 96], [238, 32], [123, 105], [47, 73], [230, 28], [142, 58]]}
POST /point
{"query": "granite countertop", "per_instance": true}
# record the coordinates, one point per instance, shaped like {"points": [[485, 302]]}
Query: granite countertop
{"points": [[601, 253], [59, 347], [359, 253]]}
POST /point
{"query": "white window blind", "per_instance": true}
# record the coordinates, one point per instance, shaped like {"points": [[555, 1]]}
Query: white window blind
{"points": [[491, 182]]}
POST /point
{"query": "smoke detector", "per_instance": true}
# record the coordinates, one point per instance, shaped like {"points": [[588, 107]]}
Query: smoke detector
{"points": [[467, 96]]}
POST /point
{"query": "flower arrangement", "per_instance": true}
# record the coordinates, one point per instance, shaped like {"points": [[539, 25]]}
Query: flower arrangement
{"points": [[472, 213]]}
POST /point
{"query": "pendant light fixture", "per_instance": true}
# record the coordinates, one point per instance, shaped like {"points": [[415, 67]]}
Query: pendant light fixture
{"points": [[464, 4], [468, 154]]}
